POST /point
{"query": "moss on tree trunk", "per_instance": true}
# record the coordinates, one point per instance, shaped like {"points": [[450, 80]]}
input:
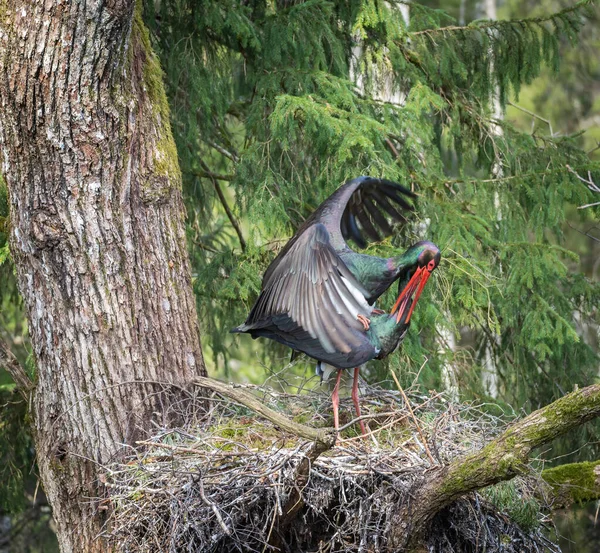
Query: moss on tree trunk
{"points": [[98, 240]]}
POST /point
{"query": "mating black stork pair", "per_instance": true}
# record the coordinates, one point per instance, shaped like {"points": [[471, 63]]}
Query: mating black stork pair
{"points": [[318, 295]]}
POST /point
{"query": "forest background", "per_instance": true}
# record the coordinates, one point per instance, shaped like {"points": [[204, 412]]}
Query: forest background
{"points": [[267, 123]]}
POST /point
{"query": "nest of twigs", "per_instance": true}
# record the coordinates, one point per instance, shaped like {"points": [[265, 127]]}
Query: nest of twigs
{"points": [[236, 482]]}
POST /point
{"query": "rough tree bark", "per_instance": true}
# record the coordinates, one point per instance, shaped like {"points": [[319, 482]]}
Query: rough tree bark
{"points": [[98, 239]]}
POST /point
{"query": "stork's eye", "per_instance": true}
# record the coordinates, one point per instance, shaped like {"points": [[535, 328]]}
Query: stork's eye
{"points": [[431, 265]]}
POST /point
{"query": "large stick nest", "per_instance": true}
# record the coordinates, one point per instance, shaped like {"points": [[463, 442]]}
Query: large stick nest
{"points": [[226, 482]]}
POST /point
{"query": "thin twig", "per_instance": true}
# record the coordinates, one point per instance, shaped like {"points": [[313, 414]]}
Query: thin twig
{"points": [[588, 205], [596, 147], [525, 110], [414, 418], [493, 180], [234, 222], [589, 182], [210, 175], [230, 155], [214, 508], [367, 417]]}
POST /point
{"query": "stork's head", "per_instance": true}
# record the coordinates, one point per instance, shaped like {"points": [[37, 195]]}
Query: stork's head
{"points": [[422, 260]]}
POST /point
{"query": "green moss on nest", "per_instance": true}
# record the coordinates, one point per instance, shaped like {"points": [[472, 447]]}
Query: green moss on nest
{"points": [[247, 466], [250, 432]]}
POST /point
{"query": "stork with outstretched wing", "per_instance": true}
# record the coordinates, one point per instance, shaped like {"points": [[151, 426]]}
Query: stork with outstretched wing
{"points": [[318, 295]]}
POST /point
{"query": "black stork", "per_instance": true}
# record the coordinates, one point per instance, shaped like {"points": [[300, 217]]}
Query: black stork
{"points": [[318, 295]]}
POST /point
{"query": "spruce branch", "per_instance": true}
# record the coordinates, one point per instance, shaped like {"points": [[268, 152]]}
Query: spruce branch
{"points": [[15, 369], [524, 176], [563, 15]]}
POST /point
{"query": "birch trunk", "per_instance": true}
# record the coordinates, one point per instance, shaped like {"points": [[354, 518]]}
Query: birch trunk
{"points": [[98, 239]]}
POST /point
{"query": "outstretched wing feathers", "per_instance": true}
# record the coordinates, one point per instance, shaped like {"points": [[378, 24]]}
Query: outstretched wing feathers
{"points": [[309, 298], [344, 215], [359, 210], [314, 288]]}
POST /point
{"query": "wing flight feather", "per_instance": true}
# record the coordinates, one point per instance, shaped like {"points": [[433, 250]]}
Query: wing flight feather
{"points": [[362, 209], [313, 287]]}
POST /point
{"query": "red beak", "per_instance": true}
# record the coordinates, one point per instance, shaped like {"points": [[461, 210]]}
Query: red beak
{"points": [[417, 282]]}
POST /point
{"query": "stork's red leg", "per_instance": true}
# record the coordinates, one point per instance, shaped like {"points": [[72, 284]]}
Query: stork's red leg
{"points": [[355, 400], [335, 400]]}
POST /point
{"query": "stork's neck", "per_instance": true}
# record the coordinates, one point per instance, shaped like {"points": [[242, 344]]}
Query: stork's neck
{"points": [[386, 334], [405, 262]]}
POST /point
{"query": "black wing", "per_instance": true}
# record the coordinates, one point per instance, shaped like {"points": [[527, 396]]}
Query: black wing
{"points": [[310, 302], [359, 211]]}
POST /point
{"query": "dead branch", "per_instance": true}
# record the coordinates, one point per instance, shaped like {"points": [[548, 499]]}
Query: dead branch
{"points": [[319, 436], [534, 115], [589, 182], [234, 222]]}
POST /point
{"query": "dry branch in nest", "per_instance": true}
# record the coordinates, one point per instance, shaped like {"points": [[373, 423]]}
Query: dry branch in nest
{"points": [[237, 482]]}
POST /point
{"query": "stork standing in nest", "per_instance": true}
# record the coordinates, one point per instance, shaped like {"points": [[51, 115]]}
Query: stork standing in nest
{"points": [[318, 295]]}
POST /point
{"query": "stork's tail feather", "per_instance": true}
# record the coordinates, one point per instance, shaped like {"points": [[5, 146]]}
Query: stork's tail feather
{"points": [[324, 371]]}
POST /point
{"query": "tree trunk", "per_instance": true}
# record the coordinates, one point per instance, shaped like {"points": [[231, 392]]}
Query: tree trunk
{"points": [[98, 239]]}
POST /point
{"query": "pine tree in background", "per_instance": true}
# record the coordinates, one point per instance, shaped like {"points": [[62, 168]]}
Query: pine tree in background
{"points": [[268, 121]]}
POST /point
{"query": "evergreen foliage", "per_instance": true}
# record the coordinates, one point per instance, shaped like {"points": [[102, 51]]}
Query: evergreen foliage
{"points": [[16, 454], [16, 451], [274, 103], [287, 103], [575, 103]]}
